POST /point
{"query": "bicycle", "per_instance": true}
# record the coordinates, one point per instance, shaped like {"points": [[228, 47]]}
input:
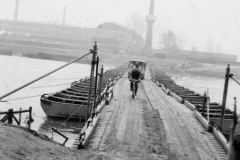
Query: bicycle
{"points": [[134, 85]]}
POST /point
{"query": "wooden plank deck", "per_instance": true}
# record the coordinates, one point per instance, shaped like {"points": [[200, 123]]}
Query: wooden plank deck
{"points": [[152, 126]]}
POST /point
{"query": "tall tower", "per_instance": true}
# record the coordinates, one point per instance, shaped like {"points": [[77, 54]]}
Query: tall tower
{"points": [[16, 11], [150, 19], [64, 16]]}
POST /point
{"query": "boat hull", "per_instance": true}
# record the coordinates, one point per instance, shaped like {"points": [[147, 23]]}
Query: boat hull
{"points": [[63, 110]]}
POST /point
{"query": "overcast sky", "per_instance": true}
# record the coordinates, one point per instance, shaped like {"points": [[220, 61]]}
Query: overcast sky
{"points": [[199, 21]]}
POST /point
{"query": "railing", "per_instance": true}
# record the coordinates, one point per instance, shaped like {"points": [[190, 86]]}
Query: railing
{"points": [[9, 116], [92, 121], [203, 118], [227, 76]]}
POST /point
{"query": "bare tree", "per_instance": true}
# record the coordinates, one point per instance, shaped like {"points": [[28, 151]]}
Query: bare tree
{"points": [[171, 41], [194, 47], [136, 23], [181, 40], [209, 45], [168, 40]]}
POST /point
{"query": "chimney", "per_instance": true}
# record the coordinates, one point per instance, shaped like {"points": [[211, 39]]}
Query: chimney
{"points": [[16, 11], [64, 15]]}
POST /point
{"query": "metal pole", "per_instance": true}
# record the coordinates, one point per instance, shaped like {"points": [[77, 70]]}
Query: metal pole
{"points": [[15, 90], [100, 85], [208, 106], [94, 51], [224, 97], [204, 104], [16, 11], [96, 80], [235, 112]]}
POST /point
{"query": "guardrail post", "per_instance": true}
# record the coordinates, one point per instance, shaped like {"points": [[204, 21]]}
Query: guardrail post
{"points": [[224, 97], [81, 139], [210, 126], [107, 98]]}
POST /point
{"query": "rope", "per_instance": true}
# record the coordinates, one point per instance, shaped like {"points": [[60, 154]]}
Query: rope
{"points": [[69, 118], [235, 80], [45, 75], [71, 115]]}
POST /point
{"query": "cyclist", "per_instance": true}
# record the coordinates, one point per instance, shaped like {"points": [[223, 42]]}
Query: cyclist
{"points": [[135, 75]]}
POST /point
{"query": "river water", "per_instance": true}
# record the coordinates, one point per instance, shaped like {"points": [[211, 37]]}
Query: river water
{"points": [[16, 71], [215, 86]]}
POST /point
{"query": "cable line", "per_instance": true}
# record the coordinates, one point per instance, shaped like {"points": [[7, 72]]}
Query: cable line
{"points": [[27, 84], [71, 114]]}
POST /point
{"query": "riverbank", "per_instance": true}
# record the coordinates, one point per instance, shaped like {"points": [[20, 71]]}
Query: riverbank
{"points": [[214, 71], [19, 143]]}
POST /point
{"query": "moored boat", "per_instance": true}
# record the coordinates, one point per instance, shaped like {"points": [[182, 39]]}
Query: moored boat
{"points": [[74, 100], [59, 107]]}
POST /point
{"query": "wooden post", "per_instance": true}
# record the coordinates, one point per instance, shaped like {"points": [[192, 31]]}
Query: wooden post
{"points": [[204, 105], [20, 116], [224, 97], [94, 55], [208, 106], [30, 114], [10, 116], [100, 86], [30, 117], [95, 91]]}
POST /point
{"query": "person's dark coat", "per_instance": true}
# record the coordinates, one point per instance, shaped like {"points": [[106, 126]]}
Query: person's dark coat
{"points": [[135, 74]]}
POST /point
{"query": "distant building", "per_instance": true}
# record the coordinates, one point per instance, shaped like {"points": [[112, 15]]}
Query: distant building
{"points": [[119, 37], [197, 56], [33, 38]]}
